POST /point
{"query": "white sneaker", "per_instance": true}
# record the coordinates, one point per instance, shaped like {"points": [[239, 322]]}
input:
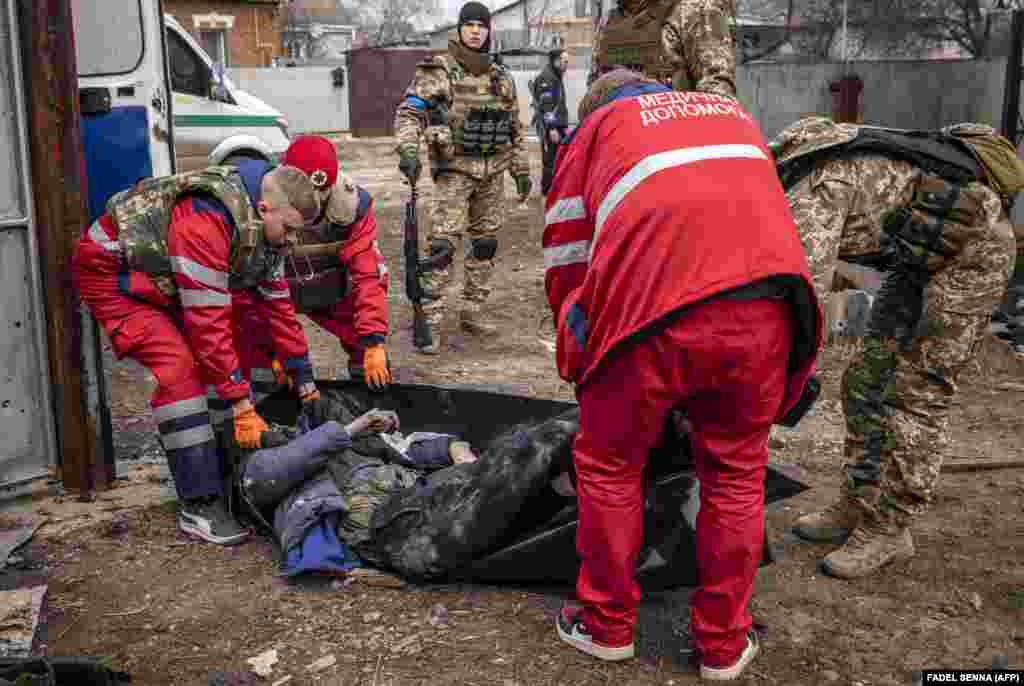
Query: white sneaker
{"points": [[735, 670], [209, 519]]}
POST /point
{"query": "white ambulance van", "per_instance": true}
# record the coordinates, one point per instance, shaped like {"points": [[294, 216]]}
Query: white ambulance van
{"points": [[215, 122]]}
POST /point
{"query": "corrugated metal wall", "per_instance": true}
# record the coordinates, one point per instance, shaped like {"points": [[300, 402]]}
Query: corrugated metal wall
{"points": [[26, 420]]}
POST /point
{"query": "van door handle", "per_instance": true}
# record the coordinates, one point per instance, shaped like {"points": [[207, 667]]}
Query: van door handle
{"points": [[94, 100], [160, 133]]}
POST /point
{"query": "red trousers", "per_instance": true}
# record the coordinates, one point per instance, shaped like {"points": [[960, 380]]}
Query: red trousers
{"points": [[723, 363], [154, 337]]}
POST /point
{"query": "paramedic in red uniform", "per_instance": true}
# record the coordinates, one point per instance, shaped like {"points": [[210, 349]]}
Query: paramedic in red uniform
{"points": [[161, 271], [360, 317], [677, 280]]}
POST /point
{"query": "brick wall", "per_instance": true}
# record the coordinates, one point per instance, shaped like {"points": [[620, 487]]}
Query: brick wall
{"points": [[254, 39]]}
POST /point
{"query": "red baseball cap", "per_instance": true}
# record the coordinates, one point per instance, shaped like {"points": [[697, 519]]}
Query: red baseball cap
{"points": [[315, 155]]}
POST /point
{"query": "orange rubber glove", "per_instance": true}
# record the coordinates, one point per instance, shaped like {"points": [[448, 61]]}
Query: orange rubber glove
{"points": [[281, 377], [375, 367], [308, 394], [249, 427]]}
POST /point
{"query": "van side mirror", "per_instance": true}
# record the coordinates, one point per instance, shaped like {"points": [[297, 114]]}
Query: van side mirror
{"points": [[218, 91]]}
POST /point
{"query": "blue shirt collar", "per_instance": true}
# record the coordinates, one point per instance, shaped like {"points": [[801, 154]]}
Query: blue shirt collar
{"points": [[252, 173], [632, 89]]}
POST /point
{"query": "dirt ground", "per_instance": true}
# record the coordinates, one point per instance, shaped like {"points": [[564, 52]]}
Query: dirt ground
{"points": [[124, 584]]}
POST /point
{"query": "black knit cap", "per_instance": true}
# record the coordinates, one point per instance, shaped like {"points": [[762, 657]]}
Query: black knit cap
{"points": [[476, 11]]}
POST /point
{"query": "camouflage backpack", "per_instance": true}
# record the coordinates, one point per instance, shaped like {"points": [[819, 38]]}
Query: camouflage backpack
{"points": [[1004, 171], [143, 214]]}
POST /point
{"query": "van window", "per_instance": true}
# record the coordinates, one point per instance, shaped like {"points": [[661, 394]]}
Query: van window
{"points": [[96, 53], [188, 72]]}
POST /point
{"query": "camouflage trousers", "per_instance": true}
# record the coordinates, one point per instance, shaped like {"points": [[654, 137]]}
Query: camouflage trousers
{"points": [[897, 394], [463, 203]]}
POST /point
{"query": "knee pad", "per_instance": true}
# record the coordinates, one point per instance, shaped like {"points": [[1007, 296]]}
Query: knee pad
{"points": [[483, 248], [441, 251]]}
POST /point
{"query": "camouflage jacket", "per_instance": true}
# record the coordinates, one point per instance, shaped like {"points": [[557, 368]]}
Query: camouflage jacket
{"points": [[840, 206], [690, 42], [468, 115], [143, 216]]}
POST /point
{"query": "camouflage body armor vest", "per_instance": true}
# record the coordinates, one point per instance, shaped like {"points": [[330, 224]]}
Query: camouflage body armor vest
{"points": [[481, 125], [634, 41], [143, 215]]}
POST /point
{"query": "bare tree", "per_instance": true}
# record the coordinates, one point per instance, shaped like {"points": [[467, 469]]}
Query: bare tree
{"points": [[904, 28], [762, 41], [979, 27], [390, 19]]}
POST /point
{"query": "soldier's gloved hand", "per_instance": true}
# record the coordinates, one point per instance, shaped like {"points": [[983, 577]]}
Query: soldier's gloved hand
{"points": [[375, 367], [249, 426], [374, 421], [523, 186], [409, 162]]}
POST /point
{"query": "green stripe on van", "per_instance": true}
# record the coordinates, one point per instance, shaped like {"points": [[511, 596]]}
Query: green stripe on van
{"points": [[224, 120]]}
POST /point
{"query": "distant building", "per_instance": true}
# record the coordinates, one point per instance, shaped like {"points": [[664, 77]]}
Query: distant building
{"points": [[313, 41], [237, 33], [541, 24], [571, 24]]}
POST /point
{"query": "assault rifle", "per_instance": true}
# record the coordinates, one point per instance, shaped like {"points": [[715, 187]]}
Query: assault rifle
{"points": [[411, 239]]}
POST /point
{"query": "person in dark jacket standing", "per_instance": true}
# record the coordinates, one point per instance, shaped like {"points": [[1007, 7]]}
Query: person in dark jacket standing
{"points": [[549, 99]]}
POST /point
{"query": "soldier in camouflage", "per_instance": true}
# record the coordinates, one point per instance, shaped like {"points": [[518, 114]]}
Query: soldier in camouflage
{"points": [[690, 42], [920, 207], [465, 107]]}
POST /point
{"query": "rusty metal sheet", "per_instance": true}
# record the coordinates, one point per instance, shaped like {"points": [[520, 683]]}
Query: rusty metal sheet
{"points": [[377, 81]]}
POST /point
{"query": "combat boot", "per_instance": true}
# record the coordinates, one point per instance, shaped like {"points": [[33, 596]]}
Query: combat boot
{"points": [[470, 322], [432, 349], [434, 331], [870, 547], [833, 524]]}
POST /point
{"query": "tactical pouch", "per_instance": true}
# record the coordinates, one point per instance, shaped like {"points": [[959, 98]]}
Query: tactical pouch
{"points": [[812, 389], [320, 290], [941, 219], [943, 199], [483, 132]]}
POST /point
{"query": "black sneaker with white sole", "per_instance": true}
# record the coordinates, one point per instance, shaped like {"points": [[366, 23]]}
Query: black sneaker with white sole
{"points": [[573, 631], [209, 519]]}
